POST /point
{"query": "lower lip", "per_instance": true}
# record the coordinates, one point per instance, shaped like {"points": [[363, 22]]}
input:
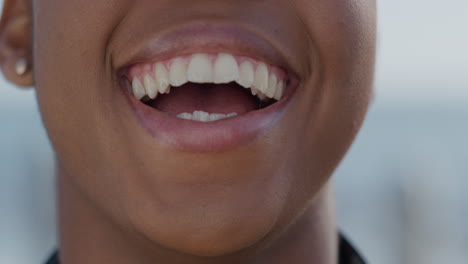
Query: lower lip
{"points": [[222, 135]]}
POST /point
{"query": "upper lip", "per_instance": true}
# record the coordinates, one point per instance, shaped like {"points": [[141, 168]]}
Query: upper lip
{"points": [[205, 37]]}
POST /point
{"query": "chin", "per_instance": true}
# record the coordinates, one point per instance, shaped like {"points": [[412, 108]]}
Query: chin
{"points": [[202, 239], [218, 229], [207, 219]]}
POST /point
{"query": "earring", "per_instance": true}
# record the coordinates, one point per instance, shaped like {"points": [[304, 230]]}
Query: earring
{"points": [[21, 66]]}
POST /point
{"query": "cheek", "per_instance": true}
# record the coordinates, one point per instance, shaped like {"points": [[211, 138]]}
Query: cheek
{"points": [[342, 34], [71, 81], [71, 75]]}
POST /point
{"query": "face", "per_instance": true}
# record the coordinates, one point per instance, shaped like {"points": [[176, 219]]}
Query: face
{"points": [[118, 80]]}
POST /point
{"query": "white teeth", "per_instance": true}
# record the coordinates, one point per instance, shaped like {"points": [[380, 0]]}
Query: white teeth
{"points": [[272, 83], [200, 69], [246, 74], [279, 90], [262, 97], [161, 77], [138, 89], [186, 116], [202, 116], [178, 73], [150, 86], [216, 117], [261, 78], [254, 91], [226, 69]]}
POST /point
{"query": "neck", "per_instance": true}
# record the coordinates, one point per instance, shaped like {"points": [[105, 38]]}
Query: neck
{"points": [[87, 235]]}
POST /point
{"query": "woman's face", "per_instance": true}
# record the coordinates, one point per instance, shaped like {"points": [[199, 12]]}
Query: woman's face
{"points": [[202, 188]]}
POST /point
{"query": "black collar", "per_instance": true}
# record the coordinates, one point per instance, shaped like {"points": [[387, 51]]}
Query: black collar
{"points": [[348, 255]]}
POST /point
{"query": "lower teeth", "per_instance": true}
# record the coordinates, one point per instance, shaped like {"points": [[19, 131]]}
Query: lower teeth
{"points": [[201, 116]]}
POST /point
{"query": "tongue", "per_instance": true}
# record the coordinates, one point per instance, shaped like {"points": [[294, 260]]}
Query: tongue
{"points": [[211, 98]]}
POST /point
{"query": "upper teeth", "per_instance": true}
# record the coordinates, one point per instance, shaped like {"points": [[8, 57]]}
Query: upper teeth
{"points": [[153, 79]]}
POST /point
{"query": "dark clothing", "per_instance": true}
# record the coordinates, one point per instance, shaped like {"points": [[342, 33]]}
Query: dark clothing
{"points": [[348, 255]]}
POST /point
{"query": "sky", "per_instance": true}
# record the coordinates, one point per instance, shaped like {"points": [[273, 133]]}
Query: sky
{"points": [[422, 57]]}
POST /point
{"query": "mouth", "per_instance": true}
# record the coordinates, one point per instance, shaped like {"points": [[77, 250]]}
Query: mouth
{"points": [[207, 101]]}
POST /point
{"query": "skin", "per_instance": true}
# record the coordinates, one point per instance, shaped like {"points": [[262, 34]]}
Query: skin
{"points": [[124, 198]]}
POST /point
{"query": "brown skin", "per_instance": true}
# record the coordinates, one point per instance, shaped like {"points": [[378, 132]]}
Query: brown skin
{"points": [[124, 198]]}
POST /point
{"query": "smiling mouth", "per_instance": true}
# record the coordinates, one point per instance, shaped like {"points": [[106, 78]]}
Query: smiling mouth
{"points": [[206, 87]]}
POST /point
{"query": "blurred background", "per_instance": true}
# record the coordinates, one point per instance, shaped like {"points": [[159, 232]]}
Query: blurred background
{"points": [[401, 191]]}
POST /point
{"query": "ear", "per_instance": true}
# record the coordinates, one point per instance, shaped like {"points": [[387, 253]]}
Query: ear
{"points": [[16, 42]]}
